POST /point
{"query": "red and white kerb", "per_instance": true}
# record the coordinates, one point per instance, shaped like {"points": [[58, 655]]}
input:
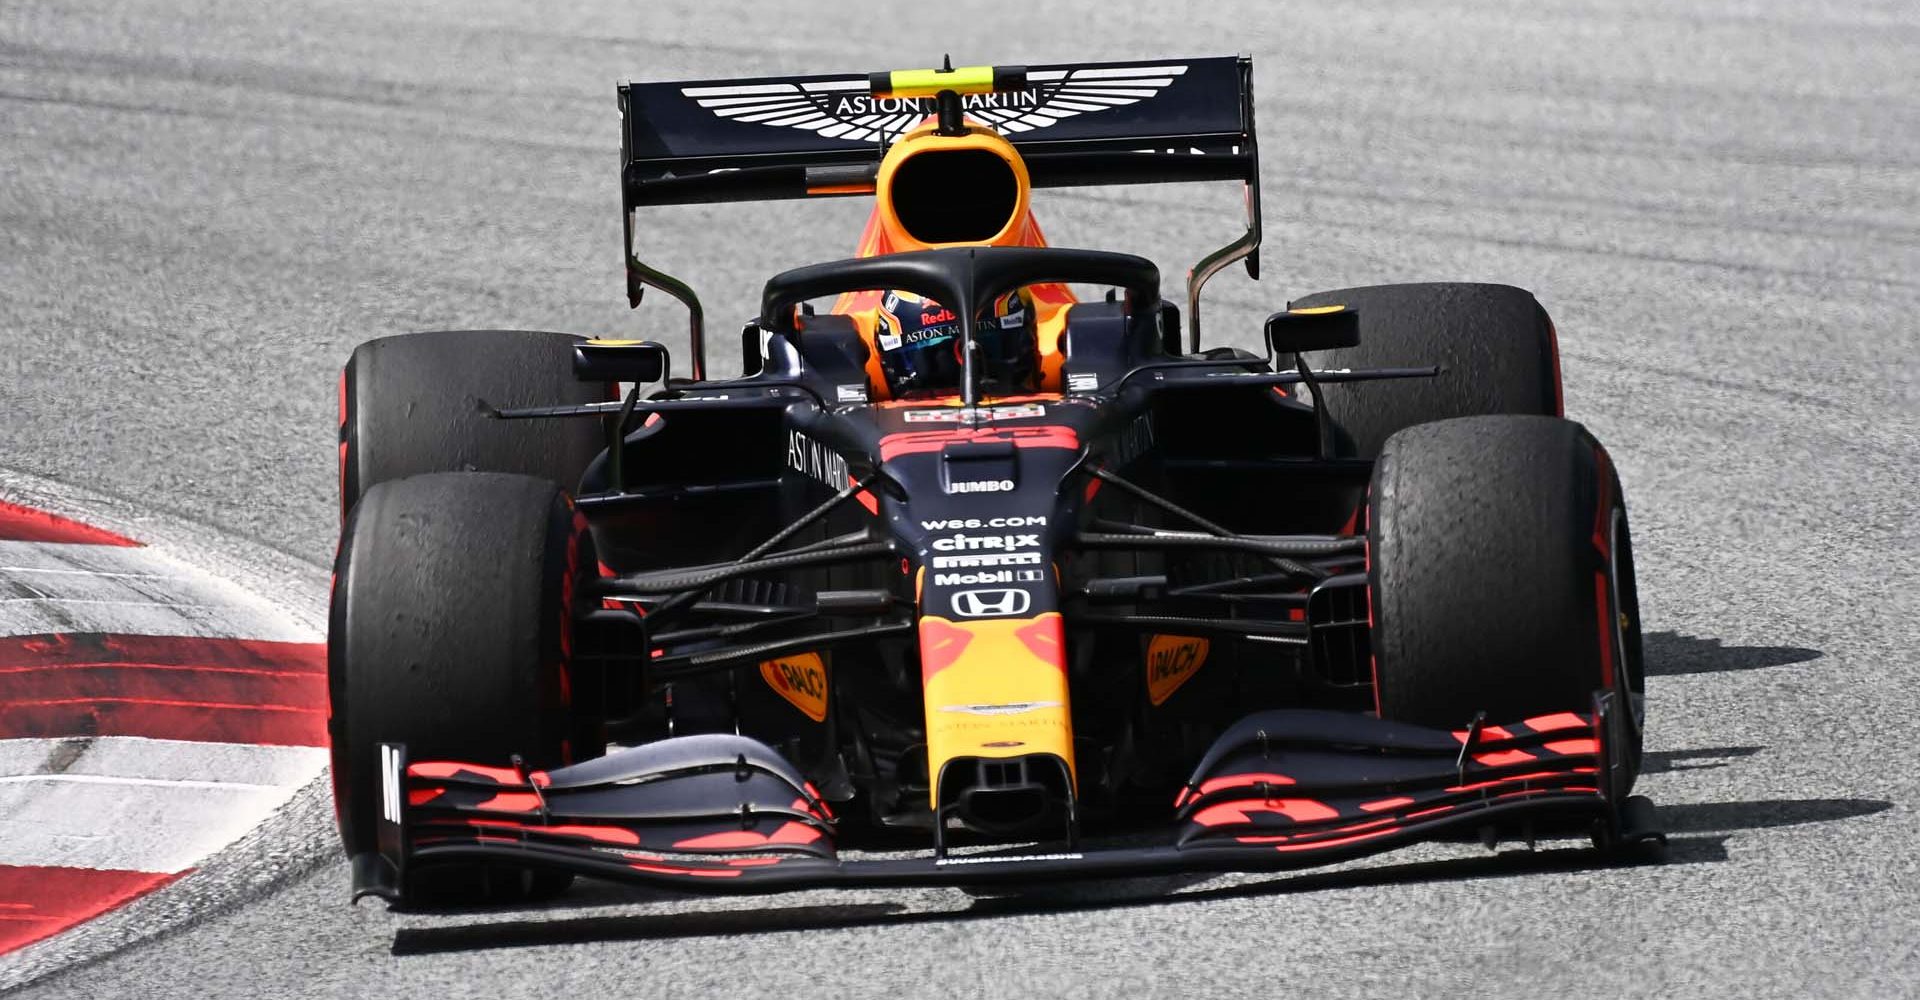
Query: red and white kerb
{"points": [[150, 714]]}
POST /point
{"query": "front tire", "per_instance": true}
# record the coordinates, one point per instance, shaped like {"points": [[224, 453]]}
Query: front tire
{"points": [[451, 632], [1501, 574]]}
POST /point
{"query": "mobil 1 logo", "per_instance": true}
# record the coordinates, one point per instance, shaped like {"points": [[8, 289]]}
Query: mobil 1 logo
{"points": [[989, 576]]}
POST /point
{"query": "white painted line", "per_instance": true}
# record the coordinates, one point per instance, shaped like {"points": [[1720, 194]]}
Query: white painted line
{"points": [[54, 588], [137, 804], [50, 599], [159, 827], [19, 570], [101, 779], [53, 556], [139, 757], [213, 621]]}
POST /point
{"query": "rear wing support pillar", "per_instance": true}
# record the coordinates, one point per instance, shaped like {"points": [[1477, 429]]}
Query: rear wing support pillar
{"points": [[640, 277], [1247, 246]]}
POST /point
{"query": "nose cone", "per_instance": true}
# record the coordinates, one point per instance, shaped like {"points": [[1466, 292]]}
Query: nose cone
{"points": [[995, 689], [1008, 797]]}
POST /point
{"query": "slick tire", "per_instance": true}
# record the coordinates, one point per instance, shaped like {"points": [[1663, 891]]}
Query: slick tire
{"points": [[1494, 344], [451, 632], [414, 403], [1501, 575]]}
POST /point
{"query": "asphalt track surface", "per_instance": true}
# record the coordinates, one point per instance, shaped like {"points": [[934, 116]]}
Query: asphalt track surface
{"points": [[204, 206]]}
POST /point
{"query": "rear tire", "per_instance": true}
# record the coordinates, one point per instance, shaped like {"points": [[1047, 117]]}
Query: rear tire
{"points": [[412, 404], [1494, 344], [1501, 574], [451, 632]]}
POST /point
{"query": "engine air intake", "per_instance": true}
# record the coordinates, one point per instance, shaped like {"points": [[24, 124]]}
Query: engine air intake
{"points": [[955, 196]]}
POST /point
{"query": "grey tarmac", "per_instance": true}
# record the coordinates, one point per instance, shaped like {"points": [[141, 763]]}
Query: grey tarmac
{"points": [[204, 205]]}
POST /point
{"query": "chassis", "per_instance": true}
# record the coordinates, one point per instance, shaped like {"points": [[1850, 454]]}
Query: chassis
{"points": [[1125, 625]]}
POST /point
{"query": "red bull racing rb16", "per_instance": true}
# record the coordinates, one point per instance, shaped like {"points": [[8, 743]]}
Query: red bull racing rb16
{"points": [[970, 576]]}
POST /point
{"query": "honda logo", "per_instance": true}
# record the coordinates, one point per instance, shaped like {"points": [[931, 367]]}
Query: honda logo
{"points": [[991, 603]]}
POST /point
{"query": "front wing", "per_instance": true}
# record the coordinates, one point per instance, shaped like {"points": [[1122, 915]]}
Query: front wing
{"points": [[1279, 790]]}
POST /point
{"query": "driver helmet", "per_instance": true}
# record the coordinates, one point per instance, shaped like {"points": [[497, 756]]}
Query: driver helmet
{"points": [[919, 341]]}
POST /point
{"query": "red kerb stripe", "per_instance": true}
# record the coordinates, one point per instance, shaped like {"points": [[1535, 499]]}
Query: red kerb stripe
{"points": [[163, 687], [24, 524], [38, 902], [102, 648]]}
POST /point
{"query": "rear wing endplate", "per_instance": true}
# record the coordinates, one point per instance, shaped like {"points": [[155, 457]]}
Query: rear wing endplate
{"points": [[1075, 124]]}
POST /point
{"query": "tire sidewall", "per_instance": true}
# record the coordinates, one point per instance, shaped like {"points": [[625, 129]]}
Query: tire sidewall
{"points": [[411, 697], [1450, 594]]}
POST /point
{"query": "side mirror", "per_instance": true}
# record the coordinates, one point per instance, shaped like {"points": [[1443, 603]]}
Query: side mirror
{"points": [[638, 361], [1320, 328], [753, 349], [1170, 328]]}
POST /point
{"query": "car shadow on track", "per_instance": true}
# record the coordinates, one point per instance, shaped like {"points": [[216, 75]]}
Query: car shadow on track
{"points": [[1727, 817], [1694, 759], [1670, 653], [1110, 894], [1697, 835]]}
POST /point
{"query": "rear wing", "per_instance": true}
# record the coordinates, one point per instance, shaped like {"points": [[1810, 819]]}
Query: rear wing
{"points": [[767, 138]]}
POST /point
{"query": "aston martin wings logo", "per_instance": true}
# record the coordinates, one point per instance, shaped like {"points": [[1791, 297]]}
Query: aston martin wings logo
{"points": [[844, 109]]}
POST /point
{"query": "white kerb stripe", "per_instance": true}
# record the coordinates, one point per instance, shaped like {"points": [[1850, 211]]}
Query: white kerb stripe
{"points": [[49, 587]]}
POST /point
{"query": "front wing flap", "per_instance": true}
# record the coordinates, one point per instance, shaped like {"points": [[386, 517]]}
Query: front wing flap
{"points": [[1279, 790]]}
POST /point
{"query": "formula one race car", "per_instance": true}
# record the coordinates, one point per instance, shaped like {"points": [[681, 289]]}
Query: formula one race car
{"points": [[966, 569]]}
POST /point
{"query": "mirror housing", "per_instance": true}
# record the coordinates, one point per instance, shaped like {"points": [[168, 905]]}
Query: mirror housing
{"points": [[638, 361], [1320, 328], [1170, 340]]}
